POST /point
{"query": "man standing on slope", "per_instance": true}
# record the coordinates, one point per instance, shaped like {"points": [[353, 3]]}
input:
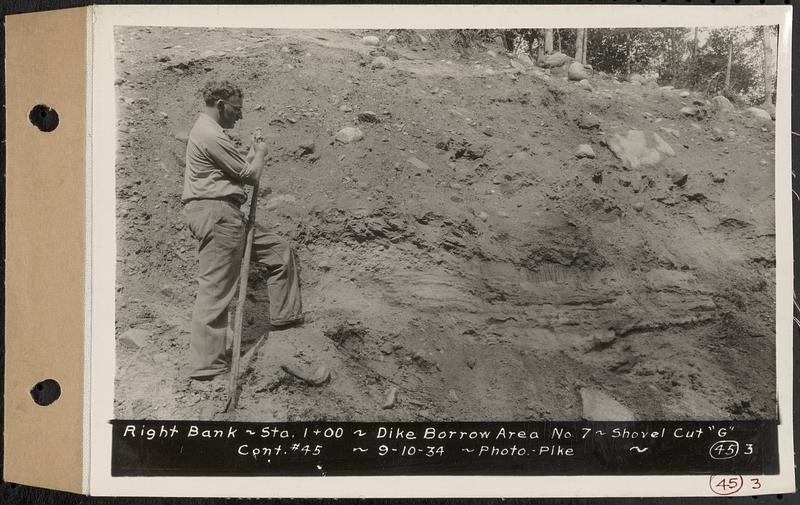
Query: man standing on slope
{"points": [[213, 193]]}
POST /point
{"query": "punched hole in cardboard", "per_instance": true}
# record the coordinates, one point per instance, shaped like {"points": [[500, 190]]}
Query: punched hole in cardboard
{"points": [[46, 392], [44, 117]]}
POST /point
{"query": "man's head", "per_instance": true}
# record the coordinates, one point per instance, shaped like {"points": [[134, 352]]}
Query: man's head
{"points": [[223, 102]]}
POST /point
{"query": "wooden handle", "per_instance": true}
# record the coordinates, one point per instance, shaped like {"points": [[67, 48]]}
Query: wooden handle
{"points": [[233, 384]]}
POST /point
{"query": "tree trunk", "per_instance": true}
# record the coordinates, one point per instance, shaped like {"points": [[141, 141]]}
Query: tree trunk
{"points": [[768, 75], [579, 45], [628, 55], [508, 40], [728, 68], [559, 39], [585, 55], [548, 41]]}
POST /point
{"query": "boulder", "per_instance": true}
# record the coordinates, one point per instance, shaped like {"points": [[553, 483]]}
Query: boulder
{"points": [[684, 94], [584, 151], [418, 164], [349, 134], [678, 176], [588, 122], [555, 60], [598, 406], [638, 148], [518, 66], [134, 338], [757, 113], [381, 62], [719, 102], [525, 59], [370, 40], [577, 72], [689, 111], [635, 79], [585, 84]]}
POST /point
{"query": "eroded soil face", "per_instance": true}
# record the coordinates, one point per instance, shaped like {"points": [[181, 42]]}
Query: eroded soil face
{"points": [[460, 252]]}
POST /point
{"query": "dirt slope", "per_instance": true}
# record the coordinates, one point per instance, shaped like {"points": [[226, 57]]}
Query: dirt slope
{"points": [[459, 252]]}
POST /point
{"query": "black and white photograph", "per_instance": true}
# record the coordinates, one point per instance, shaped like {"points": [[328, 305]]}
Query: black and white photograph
{"points": [[447, 225]]}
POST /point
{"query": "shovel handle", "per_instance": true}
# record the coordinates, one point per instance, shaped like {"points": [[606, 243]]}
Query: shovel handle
{"points": [[233, 385]]}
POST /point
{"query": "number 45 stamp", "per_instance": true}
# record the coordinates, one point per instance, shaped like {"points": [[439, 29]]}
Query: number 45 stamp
{"points": [[726, 485]]}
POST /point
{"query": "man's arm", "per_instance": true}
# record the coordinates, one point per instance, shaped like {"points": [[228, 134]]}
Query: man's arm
{"points": [[225, 155]]}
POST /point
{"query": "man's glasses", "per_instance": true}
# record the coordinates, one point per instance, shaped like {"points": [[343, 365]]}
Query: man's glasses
{"points": [[237, 108]]}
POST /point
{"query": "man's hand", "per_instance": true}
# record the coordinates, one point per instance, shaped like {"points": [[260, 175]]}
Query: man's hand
{"points": [[259, 146]]}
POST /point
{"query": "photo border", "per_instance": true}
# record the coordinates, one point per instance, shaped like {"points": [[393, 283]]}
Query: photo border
{"points": [[102, 231]]}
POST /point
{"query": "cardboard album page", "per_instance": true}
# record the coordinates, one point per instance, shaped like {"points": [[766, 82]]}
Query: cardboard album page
{"points": [[400, 251]]}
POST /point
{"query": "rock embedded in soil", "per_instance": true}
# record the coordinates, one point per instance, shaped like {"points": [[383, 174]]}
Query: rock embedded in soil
{"points": [[368, 117], [577, 72], [585, 84], [599, 406], [555, 60], [684, 94], [306, 146], [584, 151], [636, 79], [678, 176], [349, 134], [345, 108], [638, 206], [134, 338], [757, 113], [418, 164], [638, 148], [391, 398], [370, 40], [525, 59], [381, 62], [588, 122], [719, 102], [689, 111], [182, 136]]}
